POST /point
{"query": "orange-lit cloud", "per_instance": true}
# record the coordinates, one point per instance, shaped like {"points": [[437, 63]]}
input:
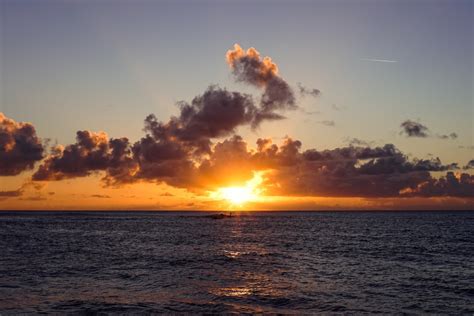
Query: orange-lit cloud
{"points": [[198, 151], [20, 147], [250, 68]]}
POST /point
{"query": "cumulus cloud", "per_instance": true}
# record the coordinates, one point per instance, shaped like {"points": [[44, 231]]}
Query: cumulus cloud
{"points": [[353, 171], [198, 150], [250, 68], [91, 153], [414, 129], [456, 185], [171, 151], [215, 113], [20, 147]]}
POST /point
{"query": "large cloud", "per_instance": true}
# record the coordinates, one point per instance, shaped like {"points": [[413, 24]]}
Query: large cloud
{"points": [[20, 147], [461, 185], [351, 171], [189, 150], [249, 67], [92, 152], [341, 172], [215, 113]]}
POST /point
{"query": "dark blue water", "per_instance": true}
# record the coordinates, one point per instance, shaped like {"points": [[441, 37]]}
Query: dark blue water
{"points": [[347, 262]]}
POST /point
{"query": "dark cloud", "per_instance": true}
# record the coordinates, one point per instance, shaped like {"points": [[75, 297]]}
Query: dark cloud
{"points": [[461, 185], [189, 150], [469, 165], [20, 147], [215, 113], [168, 153], [249, 67], [308, 91], [414, 129], [92, 152], [450, 136], [9, 194], [100, 196], [353, 171]]}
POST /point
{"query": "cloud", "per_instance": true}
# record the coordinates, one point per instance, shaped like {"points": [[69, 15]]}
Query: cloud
{"points": [[34, 198], [358, 142], [469, 165], [306, 91], [460, 185], [100, 196], [249, 67], [20, 147], [413, 129], [380, 60], [9, 194], [450, 136], [92, 152], [311, 112], [352, 172], [327, 123], [198, 150], [215, 113]]}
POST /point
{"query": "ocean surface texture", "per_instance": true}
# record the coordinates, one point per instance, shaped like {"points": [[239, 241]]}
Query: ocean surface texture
{"points": [[291, 262]]}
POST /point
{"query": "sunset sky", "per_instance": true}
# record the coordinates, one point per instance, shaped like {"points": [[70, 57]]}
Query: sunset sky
{"points": [[151, 105]]}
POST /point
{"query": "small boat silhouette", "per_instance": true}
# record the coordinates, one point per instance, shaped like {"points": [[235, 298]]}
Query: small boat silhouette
{"points": [[219, 216]]}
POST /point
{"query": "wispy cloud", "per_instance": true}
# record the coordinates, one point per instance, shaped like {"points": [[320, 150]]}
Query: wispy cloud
{"points": [[380, 60], [327, 123]]}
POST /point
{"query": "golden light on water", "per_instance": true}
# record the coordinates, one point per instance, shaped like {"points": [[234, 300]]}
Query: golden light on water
{"points": [[239, 195]]}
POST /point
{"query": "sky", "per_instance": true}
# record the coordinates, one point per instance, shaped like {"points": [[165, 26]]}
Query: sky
{"points": [[351, 76]]}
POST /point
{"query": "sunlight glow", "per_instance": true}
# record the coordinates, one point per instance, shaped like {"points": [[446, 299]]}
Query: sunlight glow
{"points": [[238, 195]]}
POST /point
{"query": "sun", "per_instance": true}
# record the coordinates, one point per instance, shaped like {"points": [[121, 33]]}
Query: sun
{"points": [[239, 195]]}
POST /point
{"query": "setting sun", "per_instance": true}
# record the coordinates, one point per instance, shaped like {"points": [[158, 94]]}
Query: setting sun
{"points": [[238, 195]]}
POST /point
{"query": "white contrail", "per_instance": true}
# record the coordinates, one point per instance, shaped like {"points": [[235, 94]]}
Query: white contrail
{"points": [[380, 60]]}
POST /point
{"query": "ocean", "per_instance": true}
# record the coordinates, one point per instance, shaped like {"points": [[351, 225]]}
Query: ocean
{"points": [[270, 262]]}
